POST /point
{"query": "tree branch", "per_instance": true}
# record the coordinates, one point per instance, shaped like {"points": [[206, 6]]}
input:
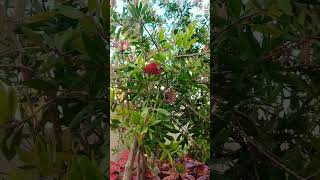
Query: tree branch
{"points": [[233, 24], [129, 165], [268, 154], [153, 41], [17, 67], [18, 49], [190, 55]]}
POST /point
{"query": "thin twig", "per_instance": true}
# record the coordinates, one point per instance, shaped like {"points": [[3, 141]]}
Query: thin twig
{"points": [[17, 67], [19, 49], [153, 41], [191, 108], [263, 151], [36, 111], [43, 6], [189, 55], [307, 43], [235, 23], [313, 174]]}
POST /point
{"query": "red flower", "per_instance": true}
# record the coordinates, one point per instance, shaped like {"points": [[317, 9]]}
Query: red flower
{"points": [[153, 69], [122, 45]]}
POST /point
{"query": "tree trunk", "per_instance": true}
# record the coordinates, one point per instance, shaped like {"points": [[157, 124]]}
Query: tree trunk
{"points": [[142, 166], [130, 161], [138, 164]]}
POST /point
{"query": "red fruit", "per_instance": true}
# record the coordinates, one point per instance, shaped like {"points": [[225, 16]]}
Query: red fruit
{"points": [[153, 69]]}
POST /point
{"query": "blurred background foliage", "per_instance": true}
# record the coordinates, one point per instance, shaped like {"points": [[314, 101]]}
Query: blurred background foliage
{"points": [[54, 75], [265, 86]]}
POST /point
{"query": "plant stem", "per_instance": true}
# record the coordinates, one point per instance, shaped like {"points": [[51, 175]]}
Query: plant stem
{"points": [[138, 166], [130, 161], [142, 165]]}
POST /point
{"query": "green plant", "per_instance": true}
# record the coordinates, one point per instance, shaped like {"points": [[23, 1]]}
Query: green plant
{"points": [[159, 83]]}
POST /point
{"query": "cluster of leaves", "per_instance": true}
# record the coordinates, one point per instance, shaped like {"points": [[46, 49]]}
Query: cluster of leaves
{"points": [[59, 66], [266, 89], [184, 168], [170, 109]]}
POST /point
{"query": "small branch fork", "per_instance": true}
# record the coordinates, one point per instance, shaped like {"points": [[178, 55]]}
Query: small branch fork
{"points": [[267, 153], [136, 152], [153, 41]]}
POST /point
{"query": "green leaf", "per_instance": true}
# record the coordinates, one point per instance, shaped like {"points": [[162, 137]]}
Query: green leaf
{"points": [[150, 135], [70, 12], [190, 43], [8, 103], [144, 111], [285, 6], [274, 12], [61, 40], [10, 142], [161, 35], [163, 111], [268, 29], [155, 122], [170, 138], [112, 94], [95, 48], [88, 25], [170, 158], [12, 102], [136, 118], [34, 36], [105, 13], [92, 5], [40, 84], [41, 16], [235, 7], [18, 174], [84, 169], [160, 57], [84, 113], [301, 18], [145, 130]]}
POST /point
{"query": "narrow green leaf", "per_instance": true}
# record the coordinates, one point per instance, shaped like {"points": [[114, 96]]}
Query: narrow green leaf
{"points": [[92, 5], [70, 12], [161, 35], [235, 7], [84, 113], [285, 6], [163, 111], [155, 122]]}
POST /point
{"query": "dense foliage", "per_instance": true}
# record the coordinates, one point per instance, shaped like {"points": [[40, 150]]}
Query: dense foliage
{"points": [[266, 89], [159, 80], [55, 56]]}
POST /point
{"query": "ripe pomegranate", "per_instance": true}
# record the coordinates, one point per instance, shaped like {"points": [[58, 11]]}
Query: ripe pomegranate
{"points": [[153, 69]]}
